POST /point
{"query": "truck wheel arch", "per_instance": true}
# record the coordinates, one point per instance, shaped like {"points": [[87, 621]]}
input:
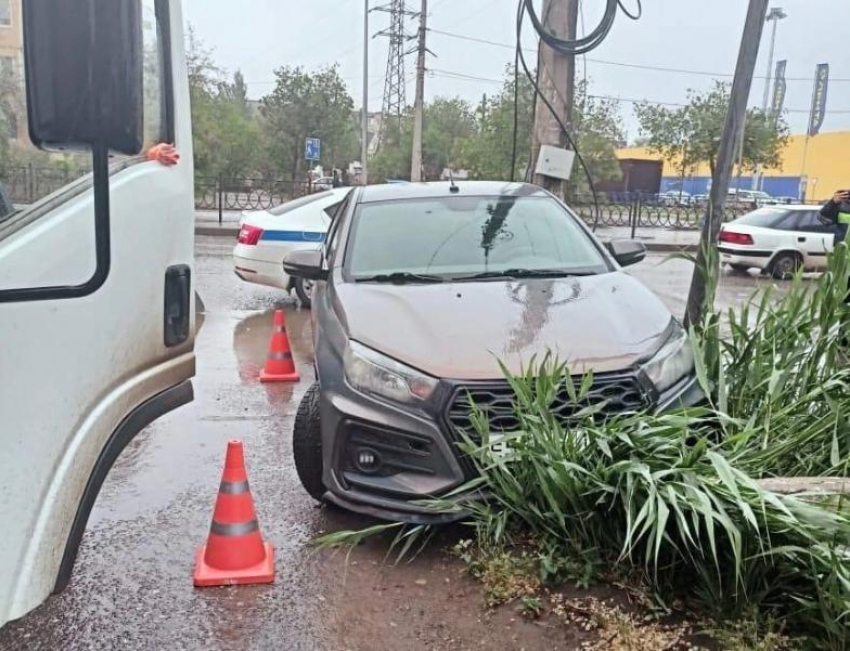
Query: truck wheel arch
{"points": [[133, 423]]}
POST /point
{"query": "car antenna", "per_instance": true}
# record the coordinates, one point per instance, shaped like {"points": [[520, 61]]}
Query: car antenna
{"points": [[453, 187]]}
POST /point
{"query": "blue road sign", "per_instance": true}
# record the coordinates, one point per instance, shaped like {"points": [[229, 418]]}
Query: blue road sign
{"points": [[313, 149]]}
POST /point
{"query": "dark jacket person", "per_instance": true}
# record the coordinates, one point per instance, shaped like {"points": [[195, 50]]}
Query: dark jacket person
{"points": [[837, 212]]}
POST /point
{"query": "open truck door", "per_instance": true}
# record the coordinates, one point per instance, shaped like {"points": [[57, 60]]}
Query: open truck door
{"points": [[96, 279]]}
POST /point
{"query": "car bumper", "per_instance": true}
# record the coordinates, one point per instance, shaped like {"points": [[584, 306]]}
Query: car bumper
{"points": [[260, 272], [745, 256], [419, 461]]}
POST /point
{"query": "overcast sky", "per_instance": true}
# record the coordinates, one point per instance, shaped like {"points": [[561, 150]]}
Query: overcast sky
{"points": [[257, 36]]}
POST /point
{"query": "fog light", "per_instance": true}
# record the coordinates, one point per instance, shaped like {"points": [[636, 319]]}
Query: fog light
{"points": [[367, 460]]}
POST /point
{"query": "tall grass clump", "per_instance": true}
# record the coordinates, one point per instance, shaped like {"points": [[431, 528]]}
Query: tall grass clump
{"points": [[658, 494], [777, 374]]}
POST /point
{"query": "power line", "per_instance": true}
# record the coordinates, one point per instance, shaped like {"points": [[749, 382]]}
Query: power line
{"points": [[448, 74], [621, 64]]}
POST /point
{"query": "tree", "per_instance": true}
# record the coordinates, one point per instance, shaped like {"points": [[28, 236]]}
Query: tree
{"points": [[304, 105], [237, 92], [691, 134], [488, 153], [392, 161], [226, 137], [11, 108], [448, 124], [597, 132]]}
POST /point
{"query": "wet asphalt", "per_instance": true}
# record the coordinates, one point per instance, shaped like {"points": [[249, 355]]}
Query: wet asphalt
{"points": [[132, 588]]}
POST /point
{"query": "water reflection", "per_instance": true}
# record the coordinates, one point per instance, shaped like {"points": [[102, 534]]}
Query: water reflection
{"points": [[251, 338], [537, 298]]}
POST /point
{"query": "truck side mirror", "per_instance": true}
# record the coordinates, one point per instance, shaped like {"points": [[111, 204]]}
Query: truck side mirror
{"points": [[84, 78], [84, 67]]}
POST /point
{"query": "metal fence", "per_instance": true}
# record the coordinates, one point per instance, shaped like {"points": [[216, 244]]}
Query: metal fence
{"points": [[648, 212], [225, 195], [28, 184]]}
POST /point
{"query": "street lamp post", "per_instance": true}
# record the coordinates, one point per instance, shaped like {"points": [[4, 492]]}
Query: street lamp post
{"points": [[776, 14]]}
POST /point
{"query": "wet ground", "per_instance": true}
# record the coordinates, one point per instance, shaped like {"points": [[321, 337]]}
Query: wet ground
{"points": [[132, 587]]}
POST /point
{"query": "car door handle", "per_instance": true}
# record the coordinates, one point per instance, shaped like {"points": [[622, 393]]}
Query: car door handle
{"points": [[801, 239]]}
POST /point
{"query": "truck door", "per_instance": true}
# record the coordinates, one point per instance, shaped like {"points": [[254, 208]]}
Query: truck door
{"points": [[96, 268]]}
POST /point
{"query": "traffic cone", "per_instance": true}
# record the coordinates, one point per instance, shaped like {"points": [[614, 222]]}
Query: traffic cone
{"points": [[235, 553], [280, 366]]}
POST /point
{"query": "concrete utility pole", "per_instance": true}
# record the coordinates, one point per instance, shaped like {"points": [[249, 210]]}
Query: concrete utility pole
{"points": [[419, 104], [557, 83], [732, 131], [776, 14], [364, 149]]}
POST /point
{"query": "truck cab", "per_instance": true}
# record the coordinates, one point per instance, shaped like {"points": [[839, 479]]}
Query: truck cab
{"points": [[96, 278]]}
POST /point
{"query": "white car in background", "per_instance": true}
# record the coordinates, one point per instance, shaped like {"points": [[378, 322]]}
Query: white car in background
{"points": [[779, 240], [676, 198], [266, 237]]}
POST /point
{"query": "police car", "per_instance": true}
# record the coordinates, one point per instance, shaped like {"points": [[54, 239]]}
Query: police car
{"points": [[778, 240], [267, 236]]}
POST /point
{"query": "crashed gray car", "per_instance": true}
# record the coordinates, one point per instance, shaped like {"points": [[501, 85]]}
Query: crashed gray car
{"points": [[422, 291]]}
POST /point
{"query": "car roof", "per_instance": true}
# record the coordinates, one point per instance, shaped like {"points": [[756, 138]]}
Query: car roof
{"points": [[411, 191]]}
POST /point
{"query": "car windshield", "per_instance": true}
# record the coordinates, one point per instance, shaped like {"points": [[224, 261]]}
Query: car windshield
{"points": [[461, 237], [765, 217]]}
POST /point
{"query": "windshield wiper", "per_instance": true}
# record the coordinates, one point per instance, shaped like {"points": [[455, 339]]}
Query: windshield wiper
{"points": [[400, 278], [525, 273]]}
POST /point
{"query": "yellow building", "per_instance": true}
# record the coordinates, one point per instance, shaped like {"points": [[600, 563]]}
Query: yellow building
{"points": [[816, 170]]}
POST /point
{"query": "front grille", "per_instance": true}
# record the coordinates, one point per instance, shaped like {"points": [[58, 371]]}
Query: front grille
{"points": [[619, 393]]}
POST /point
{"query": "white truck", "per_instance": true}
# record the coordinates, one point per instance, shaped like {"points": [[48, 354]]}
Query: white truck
{"points": [[96, 280]]}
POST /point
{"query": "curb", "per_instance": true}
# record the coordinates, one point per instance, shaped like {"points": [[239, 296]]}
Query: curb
{"points": [[222, 231], [659, 247]]}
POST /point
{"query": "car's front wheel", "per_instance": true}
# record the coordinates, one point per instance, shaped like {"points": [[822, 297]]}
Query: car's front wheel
{"points": [[304, 291], [307, 444]]}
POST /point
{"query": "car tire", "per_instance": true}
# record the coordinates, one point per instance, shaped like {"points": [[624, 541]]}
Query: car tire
{"points": [[740, 268], [304, 292], [307, 444], [785, 265]]}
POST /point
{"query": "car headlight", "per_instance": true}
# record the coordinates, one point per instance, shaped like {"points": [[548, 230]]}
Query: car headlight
{"points": [[371, 372], [672, 362]]}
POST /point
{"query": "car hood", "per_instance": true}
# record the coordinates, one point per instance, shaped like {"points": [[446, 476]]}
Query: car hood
{"points": [[463, 330]]}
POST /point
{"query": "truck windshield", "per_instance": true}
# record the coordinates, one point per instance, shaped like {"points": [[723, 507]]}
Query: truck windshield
{"points": [[454, 237]]}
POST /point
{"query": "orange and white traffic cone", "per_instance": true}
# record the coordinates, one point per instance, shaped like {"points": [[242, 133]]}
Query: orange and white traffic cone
{"points": [[235, 553], [280, 366]]}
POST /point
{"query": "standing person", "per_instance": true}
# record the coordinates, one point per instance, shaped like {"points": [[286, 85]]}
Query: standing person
{"points": [[837, 212]]}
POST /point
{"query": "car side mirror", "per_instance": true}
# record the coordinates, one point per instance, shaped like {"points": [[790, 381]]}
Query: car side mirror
{"points": [[305, 263], [627, 252], [84, 67]]}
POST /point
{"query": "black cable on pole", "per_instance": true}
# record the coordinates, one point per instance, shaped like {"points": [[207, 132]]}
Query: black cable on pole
{"points": [[575, 47], [579, 46], [634, 16], [540, 96]]}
